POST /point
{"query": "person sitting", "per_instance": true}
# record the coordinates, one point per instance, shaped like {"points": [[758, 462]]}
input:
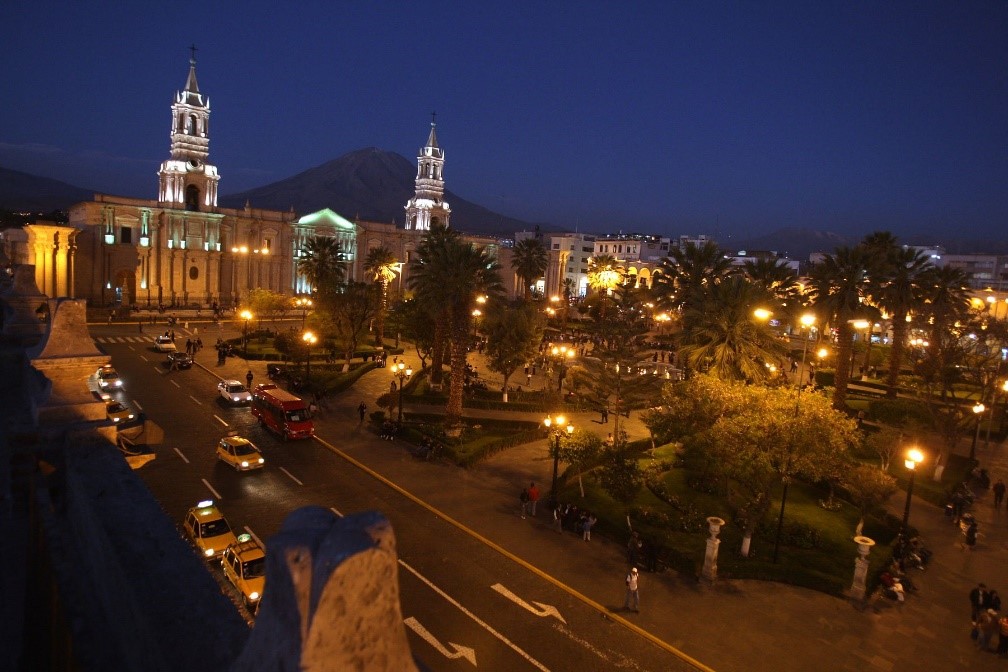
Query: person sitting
{"points": [[891, 587]]}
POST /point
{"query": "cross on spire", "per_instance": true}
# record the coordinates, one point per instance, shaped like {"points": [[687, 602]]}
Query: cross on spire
{"points": [[433, 118], [192, 50]]}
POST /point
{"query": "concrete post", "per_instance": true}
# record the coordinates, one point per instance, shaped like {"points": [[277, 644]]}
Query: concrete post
{"points": [[709, 572], [858, 588]]}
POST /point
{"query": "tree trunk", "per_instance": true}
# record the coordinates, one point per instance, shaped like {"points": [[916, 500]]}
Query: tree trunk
{"points": [[899, 331], [380, 319], [504, 388], [844, 354], [437, 354], [453, 409], [746, 541]]}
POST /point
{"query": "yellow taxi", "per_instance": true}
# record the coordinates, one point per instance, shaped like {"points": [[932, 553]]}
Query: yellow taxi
{"points": [[206, 526], [244, 565], [240, 453]]}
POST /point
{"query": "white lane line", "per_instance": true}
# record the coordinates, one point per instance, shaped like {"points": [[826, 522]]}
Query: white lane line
{"points": [[138, 406], [460, 651], [221, 421], [537, 608], [195, 399], [184, 458], [253, 535], [144, 358], [217, 495], [291, 476], [132, 348], [484, 625], [176, 384], [333, 509]]}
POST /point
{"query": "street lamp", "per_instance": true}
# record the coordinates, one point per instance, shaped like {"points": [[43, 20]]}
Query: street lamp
{"points": [[403, 373], [245, 315], [476, 315], [310, 339], [806, 320], [978, 410], [557, 426], [859, 325], [304, 303], [913, 458], [562, 353]]}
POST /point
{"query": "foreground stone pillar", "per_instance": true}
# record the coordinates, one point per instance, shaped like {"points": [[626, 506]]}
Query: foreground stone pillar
{"points": [[709, 572], [21, 299], [858, 588], [331, 601]]}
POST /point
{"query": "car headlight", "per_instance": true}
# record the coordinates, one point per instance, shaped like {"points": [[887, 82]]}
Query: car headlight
{"points": [[208, 552], [261, 460], [244, 463], [254, 595]]}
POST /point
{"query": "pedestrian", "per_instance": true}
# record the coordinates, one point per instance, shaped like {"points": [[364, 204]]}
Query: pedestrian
{"points": [[605, 415], [587, 525], [999, 493], [248, 379], [970, 536], [533, 498], [794, 365], [860, 419], [634, 547], [987, 627], [977, 598], [994, 601], [528, 379], [632, 596], [558, 518], [140, 326], [362, 411], [523, 498]]}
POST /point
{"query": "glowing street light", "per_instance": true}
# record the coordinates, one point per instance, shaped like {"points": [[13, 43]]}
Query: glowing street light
{"points": [[913, 458], [562, 354], [557, 426], [245, 315], [978, 410], [304, 303], [403, 373], [310, 339]]}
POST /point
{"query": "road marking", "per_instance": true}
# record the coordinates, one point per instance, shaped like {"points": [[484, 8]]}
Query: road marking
{"points": [[333, 509], [144, 358], [253, 535], [460, 651], [291, 476], [138, 406], [132, 348], [184, 458], [602, 609], [221, 421], [543, 610], [176, 384], [194, 398], [217, 495], [483, 624]]}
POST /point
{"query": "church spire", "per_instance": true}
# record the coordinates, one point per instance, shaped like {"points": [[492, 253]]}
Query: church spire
{"points": [[427, 208], [187, 179]]}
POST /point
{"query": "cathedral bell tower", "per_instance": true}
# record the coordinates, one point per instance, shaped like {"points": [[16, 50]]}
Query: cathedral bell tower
{"points": [[427, 208], [186, 179]]}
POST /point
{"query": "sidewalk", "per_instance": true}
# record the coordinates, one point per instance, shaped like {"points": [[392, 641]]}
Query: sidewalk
{"points": [[733, 625]]}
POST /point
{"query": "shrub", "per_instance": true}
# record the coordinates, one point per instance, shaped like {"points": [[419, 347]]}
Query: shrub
{"points": [[898, 412]]}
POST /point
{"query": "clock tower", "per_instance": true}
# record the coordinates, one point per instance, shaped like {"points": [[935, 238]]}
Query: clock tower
{"points": [[186, 180], [428, 208]]}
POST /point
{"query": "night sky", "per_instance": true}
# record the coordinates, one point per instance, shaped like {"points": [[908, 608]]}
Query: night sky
{"points": [[686, 117]]}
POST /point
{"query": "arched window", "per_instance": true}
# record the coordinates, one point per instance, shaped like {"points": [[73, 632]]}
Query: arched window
{"points": [[193, 273], [192, 197], [191, 125]]}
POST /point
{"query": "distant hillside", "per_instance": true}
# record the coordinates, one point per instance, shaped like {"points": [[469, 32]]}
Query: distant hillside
{"points": [[31, 193], [795, 243], [369, 184]]}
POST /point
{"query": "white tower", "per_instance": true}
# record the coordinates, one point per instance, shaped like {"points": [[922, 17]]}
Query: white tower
{"points": [[186, 179], [427, 208]]}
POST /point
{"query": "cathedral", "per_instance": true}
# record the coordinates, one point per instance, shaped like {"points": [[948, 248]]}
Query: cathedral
{"points": [[183, 250]]}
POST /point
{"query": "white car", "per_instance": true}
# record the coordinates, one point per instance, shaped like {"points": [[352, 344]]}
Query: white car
{"points": [[234, 392], [108, 379], [118, 412], [164, 344]]}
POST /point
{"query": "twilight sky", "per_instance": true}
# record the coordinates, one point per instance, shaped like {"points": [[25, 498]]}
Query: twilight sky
{"points": [[726, 118]]}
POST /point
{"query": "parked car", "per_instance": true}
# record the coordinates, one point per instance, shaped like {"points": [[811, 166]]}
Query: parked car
{"points": [[234, 392], [164, 344], [108, 379], [240, 453], [179, 360], [206, 526], [118, 412]]}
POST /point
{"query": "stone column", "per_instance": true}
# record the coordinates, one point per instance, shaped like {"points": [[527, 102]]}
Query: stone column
{"points": [[709, 572], [857, 589]]}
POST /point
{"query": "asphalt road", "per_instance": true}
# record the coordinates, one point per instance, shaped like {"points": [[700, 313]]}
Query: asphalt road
{"points": [[465, 604]]}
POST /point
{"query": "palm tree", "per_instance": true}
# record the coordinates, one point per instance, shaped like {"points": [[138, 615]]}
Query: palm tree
{"points": [[687, 273], [436, 238], [838, 287], [452, 273], [529, 262], [898, 292], [720, 334], [323, 263], [946, 309], [380, 265], [777, 283], [605, 273]]}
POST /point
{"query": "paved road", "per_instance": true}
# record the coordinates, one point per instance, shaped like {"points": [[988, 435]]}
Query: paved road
{"points": [[734, 625]]}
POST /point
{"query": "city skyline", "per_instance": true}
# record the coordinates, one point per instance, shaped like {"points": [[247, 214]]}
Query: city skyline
{"points": [[725, 119]]}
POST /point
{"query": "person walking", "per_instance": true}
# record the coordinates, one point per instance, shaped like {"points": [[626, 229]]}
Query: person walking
{"points": [[978, 598], [587, 525], [999, 493], [558, 518], [248, 379], [605, 415], [362, 411], [632, 594], [523, 498], [533, 498], [970, 536]]}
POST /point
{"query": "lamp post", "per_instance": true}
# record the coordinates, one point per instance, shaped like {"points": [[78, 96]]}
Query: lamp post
{"points": [[859, 325], [562, 353], [557, 426], [990, 420], [807, 320], [310, 339], [403, 373], [235, 251], [304, 303], [245, 315], [913, 458], [978, 410]]}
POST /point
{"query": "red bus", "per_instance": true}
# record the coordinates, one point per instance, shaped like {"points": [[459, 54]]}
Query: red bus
{"points": [[282, 412]]}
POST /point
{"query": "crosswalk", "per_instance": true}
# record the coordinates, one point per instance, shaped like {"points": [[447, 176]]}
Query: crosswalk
{"points": [[124, 339]]}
